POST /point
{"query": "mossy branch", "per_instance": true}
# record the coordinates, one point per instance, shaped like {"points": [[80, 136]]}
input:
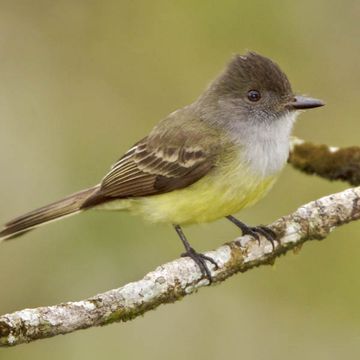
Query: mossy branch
{"points": [[181, 277], [329, 162]]}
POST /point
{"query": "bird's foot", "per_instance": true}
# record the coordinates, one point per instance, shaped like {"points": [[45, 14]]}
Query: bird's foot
{"points": [[255, 231], [200, 260]]}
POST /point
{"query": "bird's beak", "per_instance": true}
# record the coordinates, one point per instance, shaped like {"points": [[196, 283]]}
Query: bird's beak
{"points": [[304, 102]]}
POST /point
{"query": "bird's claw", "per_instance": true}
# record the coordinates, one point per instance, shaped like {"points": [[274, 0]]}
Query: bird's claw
{"points": [[265, 231], [200, 260]]}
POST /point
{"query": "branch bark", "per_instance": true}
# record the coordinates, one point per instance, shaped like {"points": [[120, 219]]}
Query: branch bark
{"points": [[179, 278]]}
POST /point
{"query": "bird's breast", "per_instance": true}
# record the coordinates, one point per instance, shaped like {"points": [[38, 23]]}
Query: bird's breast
{"points": [[231, 187]]}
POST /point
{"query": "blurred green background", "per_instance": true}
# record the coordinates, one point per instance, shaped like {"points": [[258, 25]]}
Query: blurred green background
{"points": [[80, 82]]}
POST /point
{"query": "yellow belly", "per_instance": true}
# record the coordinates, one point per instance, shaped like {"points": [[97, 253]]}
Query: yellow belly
{"points": [[221, 193]]}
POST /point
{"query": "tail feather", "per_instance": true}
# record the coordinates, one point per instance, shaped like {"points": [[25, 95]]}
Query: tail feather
{"points": [[57, 210]]}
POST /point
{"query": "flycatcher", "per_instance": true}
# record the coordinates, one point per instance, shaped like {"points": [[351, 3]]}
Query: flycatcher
{"points": [[205, 161]]}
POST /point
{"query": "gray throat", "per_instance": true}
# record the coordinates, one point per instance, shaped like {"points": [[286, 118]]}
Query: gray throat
{"points": [[264, 144]]}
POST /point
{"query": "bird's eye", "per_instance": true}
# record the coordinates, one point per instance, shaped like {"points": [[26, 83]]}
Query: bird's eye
{"points": [[254, 95]]}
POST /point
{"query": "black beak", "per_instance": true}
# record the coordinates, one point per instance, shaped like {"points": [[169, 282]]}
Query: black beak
{"points": [[303, 102]]}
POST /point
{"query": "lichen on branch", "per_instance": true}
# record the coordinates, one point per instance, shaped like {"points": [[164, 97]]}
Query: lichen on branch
{"points": [[172, 281]]}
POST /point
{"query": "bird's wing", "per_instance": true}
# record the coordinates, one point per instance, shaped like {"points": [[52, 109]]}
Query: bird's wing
{"points": [[158, 164]]}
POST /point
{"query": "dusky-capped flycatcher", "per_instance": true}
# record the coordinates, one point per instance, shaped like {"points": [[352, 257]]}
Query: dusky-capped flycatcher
{"points": [[205, 161]]}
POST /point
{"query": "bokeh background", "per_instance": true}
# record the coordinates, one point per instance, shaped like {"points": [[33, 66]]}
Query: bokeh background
{"points": [[80, 82]]}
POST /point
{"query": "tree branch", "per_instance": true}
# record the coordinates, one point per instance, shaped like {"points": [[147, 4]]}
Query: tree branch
{"points": [[329, 162], [174, 280], [179, 278]]}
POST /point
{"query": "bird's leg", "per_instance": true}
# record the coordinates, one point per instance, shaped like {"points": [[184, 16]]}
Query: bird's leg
{"points": [[255, 231], [200, 259]]}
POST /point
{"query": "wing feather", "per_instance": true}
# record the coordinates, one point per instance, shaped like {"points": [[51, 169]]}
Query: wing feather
{"points": [[154, 166]]}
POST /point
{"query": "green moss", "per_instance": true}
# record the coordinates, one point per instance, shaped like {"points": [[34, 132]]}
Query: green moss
{"points": [[343, 164], [114, 317]]}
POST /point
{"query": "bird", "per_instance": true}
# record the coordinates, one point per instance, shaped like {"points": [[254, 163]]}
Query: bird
{"points": [[205, 161]]}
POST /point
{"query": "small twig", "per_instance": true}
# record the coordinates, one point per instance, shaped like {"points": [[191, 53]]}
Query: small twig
{"points": [[174, 280]]}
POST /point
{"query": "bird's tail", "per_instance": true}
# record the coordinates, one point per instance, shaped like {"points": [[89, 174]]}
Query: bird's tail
{"points": [[57, 210]]}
